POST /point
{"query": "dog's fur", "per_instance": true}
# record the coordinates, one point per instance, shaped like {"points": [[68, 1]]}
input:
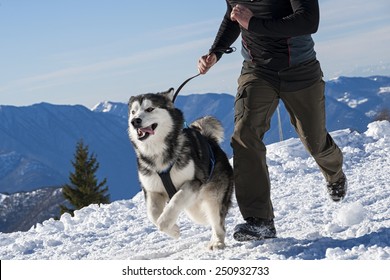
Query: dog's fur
{"points": [[160, 142]]}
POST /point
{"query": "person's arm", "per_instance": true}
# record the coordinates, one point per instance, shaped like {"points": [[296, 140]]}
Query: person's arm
{"points": [[304, 20], [227, 34]]}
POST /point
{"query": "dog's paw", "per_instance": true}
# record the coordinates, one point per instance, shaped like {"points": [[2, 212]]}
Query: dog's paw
{"points": [[168, 226], [173, 231], [164, 223], [216, 245]]}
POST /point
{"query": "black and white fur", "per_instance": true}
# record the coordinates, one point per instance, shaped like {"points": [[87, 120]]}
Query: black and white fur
{"points": [[156, 132]]}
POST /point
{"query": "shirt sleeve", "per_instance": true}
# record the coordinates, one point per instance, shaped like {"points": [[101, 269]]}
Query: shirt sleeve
{"points": [[303, 21], [227, 34]]}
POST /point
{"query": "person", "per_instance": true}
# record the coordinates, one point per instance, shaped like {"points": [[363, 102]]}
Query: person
{"points": [[279, 64]]}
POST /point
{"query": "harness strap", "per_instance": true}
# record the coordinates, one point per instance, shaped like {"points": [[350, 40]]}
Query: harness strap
{"points": [[212, 162], [167, 182], [208, 156]]}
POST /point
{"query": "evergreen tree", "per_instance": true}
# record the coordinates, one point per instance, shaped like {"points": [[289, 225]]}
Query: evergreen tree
{"points": [[84, 189], [383, 115]]}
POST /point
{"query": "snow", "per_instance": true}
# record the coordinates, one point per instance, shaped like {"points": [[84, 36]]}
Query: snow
{"points": [[2, 197], [384, 90], [310, 226], [353, 103]]}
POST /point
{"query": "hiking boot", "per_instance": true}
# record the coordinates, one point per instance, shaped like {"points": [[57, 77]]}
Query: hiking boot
{"points": [[254, 229], [338, 189]]}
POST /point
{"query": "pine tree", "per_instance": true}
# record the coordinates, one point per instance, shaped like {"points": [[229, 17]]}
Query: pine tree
{"points": [[84, 188], [383, 115]]}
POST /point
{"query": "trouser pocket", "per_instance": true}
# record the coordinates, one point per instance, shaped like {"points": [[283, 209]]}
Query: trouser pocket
{"points": [[239, 105]]}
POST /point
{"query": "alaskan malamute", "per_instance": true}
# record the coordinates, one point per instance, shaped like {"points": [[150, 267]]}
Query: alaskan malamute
{"points": [[197, 173]]}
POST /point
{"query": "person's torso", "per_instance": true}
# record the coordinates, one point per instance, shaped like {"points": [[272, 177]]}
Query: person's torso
{"points": [[274, 53]]}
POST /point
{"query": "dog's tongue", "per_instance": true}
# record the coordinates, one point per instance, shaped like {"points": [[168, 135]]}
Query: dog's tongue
{"points": [[147, 130]]}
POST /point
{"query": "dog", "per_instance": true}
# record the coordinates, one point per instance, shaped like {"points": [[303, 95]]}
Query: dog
{"points": [[188, 158]]}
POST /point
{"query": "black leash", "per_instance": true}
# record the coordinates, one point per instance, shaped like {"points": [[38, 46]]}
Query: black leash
{"points": [[227, 50], [182, 85]]}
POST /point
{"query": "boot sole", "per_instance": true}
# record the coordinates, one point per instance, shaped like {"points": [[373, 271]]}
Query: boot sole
{"points": [[242, 237]]}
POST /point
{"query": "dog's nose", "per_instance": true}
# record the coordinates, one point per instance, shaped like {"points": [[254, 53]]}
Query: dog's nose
{"points": [[136, 122]]}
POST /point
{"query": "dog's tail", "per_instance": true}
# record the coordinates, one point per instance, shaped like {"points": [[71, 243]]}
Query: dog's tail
{"points": [[209, 127]]}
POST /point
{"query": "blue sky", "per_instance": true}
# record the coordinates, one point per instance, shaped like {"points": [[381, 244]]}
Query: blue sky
{"points": [[84, 51]]}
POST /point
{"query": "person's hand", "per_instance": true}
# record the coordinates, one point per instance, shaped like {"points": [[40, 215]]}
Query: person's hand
{"points": [[206, 62], [242, 15]]}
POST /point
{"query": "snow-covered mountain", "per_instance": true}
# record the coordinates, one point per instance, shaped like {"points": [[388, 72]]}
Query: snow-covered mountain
{"points": [[309, 225], [38, 142], [366, 95], [20, 211]]}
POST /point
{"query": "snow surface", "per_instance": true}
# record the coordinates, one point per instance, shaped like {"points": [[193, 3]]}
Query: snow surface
{"points": [[310, 226], [384, 90]]}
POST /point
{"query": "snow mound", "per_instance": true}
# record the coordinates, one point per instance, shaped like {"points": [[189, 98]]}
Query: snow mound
{"points": [[351, 214], [378, 130]]}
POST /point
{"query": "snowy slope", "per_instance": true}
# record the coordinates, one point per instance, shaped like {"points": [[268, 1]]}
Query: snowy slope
{"points": [[309, 225]]}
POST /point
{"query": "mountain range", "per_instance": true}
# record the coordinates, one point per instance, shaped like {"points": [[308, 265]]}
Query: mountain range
{"points": [[38, 142]]}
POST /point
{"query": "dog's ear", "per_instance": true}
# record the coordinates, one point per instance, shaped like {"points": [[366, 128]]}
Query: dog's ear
{"points": [[169, 93], [131, 100]]}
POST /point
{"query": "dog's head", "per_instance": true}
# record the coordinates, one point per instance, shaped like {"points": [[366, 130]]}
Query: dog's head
{"points": [[152, 116]]}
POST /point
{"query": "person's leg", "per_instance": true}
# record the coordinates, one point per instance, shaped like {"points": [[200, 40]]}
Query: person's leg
{"points": [[255, 103], [307, 112]]}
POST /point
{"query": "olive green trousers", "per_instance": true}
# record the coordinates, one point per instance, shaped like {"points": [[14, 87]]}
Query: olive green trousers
{"points": [[255, 103]]}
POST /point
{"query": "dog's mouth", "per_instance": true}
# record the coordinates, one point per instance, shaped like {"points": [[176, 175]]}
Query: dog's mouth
{"points": [[145, 132]]}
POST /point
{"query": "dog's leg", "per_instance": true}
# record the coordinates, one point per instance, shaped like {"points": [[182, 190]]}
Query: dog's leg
{"points": [[167, 221], [155, 203], [217, 223]]}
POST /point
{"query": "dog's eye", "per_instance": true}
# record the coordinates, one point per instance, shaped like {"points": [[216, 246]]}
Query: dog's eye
{"points": [[150, 109], [132, 112]]}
